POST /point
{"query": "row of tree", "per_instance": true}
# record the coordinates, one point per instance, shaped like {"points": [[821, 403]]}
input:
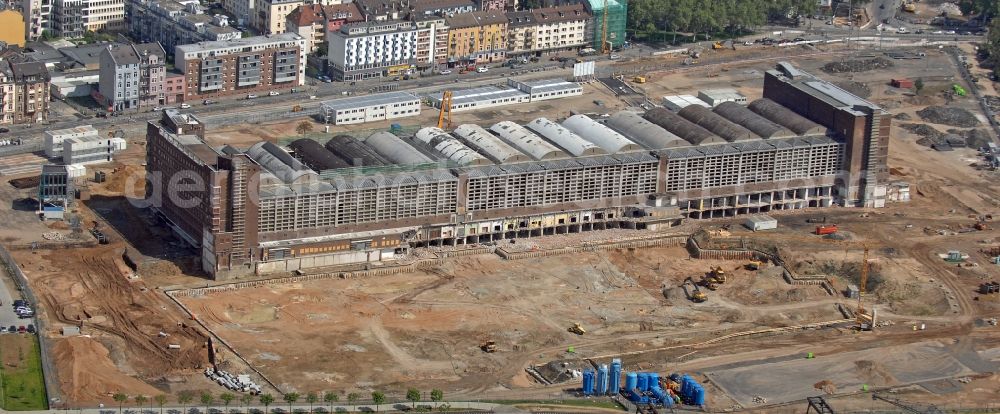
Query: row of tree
{"points": [[208, 400], [710, 16]]}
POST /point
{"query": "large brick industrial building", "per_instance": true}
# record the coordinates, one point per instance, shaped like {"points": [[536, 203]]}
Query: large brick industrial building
{"points": [[807, 143]]}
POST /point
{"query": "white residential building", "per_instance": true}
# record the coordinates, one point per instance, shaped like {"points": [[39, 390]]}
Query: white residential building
{"points": [[54, 139], [372, 49], [90, 149], [37, 14]]}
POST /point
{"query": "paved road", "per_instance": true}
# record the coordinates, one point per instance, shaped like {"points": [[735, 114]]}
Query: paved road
{"points": [[7, 296], [277, 407]]}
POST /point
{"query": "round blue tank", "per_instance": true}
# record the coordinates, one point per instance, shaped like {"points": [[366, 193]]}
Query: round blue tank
{"points": [[654, 380], [643, 385], [667, 401], [699, 396], [658, 393], [685, 385], [588, 382], [675, 377], [631, 381]]}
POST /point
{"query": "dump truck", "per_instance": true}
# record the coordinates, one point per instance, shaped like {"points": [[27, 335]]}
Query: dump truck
{"points": [[826, 229], [489, 346], [693, 292], [577, 329], [718, 274], [639, 79]]}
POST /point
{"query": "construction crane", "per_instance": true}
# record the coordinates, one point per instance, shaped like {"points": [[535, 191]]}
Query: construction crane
{"points": [[445, 109], [908, 406], [605, 49]]}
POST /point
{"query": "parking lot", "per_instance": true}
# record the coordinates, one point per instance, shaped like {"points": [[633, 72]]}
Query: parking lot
{"points": [[8, 294]]}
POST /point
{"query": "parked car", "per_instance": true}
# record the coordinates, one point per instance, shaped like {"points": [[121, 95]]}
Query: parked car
{"points": [[207, 102], [22, 329], [157, 108], [31, 328], [482, 69], [4, 130], [12, 329], [251, 96], [3, 329], [615, 57], [445, 72], [273, 93], [185, 106], [312, 96]]}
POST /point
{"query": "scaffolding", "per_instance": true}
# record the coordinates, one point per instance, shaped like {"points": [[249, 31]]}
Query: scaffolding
{"points": [[617, 16]]}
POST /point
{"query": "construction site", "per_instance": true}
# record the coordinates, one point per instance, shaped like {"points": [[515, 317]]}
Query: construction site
{"points": [[838, 300]]}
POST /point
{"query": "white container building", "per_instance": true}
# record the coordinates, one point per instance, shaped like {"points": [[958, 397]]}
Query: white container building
{"points": [[714, 97], [761, 222], [564, 138], [678, 102], [90, 149], [600, 134], [370, 108], [54, 139], [546, 89], [481, 97]]}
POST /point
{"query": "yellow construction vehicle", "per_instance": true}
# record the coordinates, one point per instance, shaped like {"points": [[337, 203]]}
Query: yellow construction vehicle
{"points": [[694, 293], [577, 329], [718, 274], [754, 265], [489, 346], [445, 114], [718, 45], [710, 283], [639, 79], [908, 6]]}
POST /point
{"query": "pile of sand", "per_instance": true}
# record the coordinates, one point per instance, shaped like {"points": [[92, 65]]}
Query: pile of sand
{"points": [[87, 374]]}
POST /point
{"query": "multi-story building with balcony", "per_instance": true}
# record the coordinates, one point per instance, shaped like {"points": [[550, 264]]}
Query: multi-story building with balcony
{"points": [[270, 15], [67, 18], [478, 37], [31, 91], [132, 76], [171, 23], [372, 49], [521, 31], [560, 28], [240, 67], [313, 21], [106, 15], [37, 14]]}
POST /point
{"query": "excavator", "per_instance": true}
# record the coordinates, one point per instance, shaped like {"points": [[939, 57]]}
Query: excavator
{"points": [[693, 292], [577, 329], [754, 265]]}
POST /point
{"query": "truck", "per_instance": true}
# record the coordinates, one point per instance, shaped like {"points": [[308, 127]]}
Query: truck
{"points": [[826, 229]]}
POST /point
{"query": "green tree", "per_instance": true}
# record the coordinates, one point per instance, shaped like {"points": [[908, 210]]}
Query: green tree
{"points": [[312, 398], [140, 400], [207, 399], [353, 398], [185, 397], [437, 395], [226, 399], [161, 400], [290, 398], [918, 85], [245, 401], [329, 398], [378, 398], [304, 127], [120, 399], [413, 395], [266, 400]]}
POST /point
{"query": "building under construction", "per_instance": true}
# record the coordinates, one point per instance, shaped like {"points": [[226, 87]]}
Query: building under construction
{"points": [[363, 199]]}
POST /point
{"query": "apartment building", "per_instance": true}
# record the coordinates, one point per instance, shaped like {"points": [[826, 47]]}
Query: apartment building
{"points": [[559, 28], [174, 87], [103, 15], [132, 76], [313, 21], [432, 40], [36, 17], [31, 90], [243, 66], [372, 49], [271, 14], [171, 23], [442, 7], [243, 10], [67, 18], [496, 5], [521, 31], [478, 37]]}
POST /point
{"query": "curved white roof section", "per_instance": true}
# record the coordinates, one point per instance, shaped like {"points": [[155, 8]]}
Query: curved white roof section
{"points": [[598, 133], [450, 147], [564, 138], [280, 163], [395, 149], [489, 144], [527, 141], [638, 129]]}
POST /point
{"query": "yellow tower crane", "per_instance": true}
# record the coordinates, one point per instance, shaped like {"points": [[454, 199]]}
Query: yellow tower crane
{"points": [[445, 109], [605, 49]]}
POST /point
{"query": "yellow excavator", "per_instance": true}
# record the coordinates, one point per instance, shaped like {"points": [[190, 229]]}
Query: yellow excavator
{"points": [[577, 329], [718, 274], [694, 293], [754, 265]]}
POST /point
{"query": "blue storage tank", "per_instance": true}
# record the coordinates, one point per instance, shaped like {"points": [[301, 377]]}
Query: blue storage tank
{"points": [[685, 384], [588, 382], [637, 397], [658, 393], [699, 395], [654, 380], [615, 377], [631, 381], [602, 380], [675, 377], [643, 385]]}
